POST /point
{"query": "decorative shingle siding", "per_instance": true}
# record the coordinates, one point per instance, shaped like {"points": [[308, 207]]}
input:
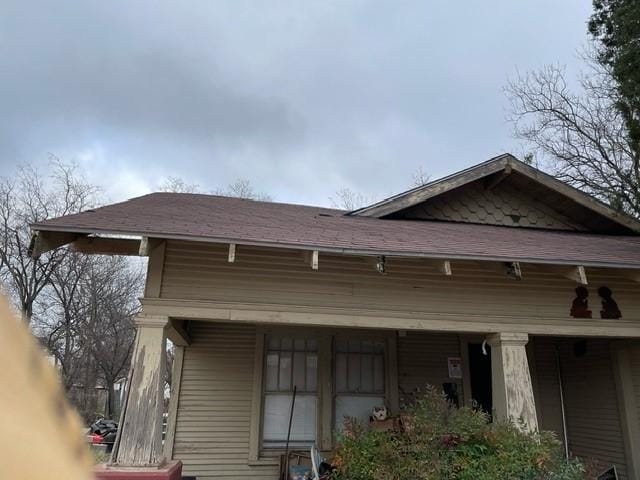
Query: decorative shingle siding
{"points": [[502, 205]]}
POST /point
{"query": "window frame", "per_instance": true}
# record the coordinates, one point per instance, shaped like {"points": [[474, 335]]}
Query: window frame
{"points": [[325, 383]]}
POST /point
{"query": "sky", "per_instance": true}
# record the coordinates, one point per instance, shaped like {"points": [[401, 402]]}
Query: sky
{"points": [[301, 98]]}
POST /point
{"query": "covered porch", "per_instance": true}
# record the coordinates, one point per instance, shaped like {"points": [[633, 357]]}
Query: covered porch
{"points": [[230, 404]]}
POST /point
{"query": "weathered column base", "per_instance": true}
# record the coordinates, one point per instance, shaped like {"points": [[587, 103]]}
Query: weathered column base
{"points": [[168, 471], [513, 398]]}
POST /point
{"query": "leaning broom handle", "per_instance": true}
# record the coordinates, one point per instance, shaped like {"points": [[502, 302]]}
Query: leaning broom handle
{"points": [[286, 448]]}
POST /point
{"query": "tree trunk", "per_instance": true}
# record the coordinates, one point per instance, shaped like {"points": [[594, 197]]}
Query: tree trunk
{"points": [[111, 400]]}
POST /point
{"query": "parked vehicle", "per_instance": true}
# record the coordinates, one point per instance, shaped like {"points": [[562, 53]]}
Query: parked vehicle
{"points": [[104, 432]]}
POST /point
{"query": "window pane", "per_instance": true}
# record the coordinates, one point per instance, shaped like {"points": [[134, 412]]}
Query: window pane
{"points": [[299, 371], [358, 407], [354, 373], [341, 345], [312, 372], [378, 372], [312, 345], [354, 346], [274, 343], [284, 382], [299, 344], [277, 409], [367, 373], [287, 344], [271, 383]]}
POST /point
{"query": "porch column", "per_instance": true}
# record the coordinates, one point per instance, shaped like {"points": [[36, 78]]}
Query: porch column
{"points": [[141, 424], [511, 380]]}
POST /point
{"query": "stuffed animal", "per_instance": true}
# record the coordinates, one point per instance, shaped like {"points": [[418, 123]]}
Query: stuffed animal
{"points": [[379, 413]]}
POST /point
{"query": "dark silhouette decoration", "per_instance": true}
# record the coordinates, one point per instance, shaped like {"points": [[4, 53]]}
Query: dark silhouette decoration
{"points": [[580, 305], [609, 306]]}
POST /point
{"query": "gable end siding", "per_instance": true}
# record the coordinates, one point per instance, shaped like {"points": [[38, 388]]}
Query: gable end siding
{"points": [[503, 205]]}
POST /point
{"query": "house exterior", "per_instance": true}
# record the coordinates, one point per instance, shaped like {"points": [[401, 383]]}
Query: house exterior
{"points": [[359, 309]]}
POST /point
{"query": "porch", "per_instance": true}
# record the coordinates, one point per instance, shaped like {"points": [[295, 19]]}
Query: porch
{"points": [[230, 405]]}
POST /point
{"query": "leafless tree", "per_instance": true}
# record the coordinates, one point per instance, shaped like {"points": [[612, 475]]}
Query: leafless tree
{"points": [[347, 199], [580, 135], [420, 177], [110, 291], [30, 197], [242, 188], [178, 185]]}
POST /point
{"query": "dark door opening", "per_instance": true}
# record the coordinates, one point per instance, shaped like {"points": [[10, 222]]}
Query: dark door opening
{"points": [[480, 373]]}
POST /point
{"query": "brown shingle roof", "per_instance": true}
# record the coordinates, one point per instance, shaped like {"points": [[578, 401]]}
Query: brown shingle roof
{"points": [[213, 218]]}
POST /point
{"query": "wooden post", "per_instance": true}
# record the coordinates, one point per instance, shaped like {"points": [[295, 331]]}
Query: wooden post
{"points": [[623, 365], [513, 398], [141, 428]]}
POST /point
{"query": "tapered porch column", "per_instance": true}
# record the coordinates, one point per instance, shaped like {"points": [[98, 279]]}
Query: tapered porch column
{"points": [[511, 380], [141, 425]]}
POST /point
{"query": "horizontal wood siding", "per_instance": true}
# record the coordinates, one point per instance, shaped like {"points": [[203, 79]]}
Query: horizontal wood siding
{"points": [[546, 385], [422, 360], [213, 420], [635, 373], [350, 285], [593, 419]]}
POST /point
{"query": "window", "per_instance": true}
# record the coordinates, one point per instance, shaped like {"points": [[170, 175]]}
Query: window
{"points": [[359, 378], [290, 362]]}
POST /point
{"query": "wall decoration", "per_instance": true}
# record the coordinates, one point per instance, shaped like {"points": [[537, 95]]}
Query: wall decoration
{"points": [[609, 306], [455, 367], [580, 305]]}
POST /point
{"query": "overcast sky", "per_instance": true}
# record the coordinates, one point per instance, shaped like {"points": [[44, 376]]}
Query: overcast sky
{"points": [[300, 97]]}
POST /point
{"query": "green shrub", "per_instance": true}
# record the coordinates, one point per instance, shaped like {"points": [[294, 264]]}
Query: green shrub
{"points": [[441, 442]]}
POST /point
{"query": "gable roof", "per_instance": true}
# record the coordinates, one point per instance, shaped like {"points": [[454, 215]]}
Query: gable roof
{"points": [[214, 219], [576, 204]]}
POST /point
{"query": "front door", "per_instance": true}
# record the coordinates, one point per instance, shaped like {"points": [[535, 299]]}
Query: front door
{"points": [[480, 373]]}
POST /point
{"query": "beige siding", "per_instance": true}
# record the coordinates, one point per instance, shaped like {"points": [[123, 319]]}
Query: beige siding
{"points": [[213, 421], [422, 360], [281, 279], [593, 420], [546, 385]]}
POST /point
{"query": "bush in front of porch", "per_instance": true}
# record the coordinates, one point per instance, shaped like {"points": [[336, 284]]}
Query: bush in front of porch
{"points": [[438, 441]]}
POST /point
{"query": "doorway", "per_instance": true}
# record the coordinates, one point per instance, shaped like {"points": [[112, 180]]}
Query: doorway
{"points": [[480, 373]]}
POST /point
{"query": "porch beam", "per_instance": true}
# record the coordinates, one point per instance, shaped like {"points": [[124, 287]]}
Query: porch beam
{"points": [[628, 327], [177, 333], [512, 389], [106, 246], [43, 241], [140, 443]]}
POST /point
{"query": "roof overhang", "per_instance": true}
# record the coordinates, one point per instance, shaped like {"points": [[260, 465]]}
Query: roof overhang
{"points": [[495, 171], [114, 242]]}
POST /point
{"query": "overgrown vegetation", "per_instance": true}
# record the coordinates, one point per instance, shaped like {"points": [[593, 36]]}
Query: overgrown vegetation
{"points": [[438, 441]]}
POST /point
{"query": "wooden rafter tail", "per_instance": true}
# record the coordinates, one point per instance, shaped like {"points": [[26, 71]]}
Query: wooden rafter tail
{"points": [[444, 267], [314, 259], [232, 252], [144, 249], [578, 274], [514, 270]]}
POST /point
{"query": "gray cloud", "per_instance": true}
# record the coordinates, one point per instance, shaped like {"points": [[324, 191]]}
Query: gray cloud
{"points": [[300, 97]]}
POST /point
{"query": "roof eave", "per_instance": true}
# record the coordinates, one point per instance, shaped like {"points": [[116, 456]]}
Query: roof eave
{"points": [[336, 250]]}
